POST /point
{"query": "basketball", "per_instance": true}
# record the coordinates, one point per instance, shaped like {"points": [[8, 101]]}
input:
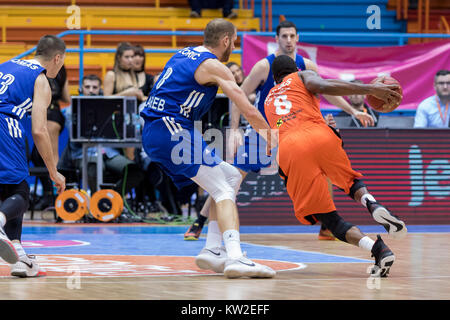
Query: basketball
{"points": [[380, 105]]}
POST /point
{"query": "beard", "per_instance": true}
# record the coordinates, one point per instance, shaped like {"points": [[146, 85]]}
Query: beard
{"points": [[444, 96], [226, 55]]}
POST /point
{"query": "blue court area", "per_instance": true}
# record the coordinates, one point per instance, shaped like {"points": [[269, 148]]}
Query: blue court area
{"points": [[168, 241]]}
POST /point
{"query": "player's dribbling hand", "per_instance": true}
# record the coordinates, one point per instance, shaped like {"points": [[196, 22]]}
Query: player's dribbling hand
{"points": [[386, 92], [365, 118], [60, 182]]}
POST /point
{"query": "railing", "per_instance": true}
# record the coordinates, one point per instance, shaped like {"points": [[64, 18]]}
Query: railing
{"points": [[423, 16], [303, 36], [91, 18], [402, 9], [263, 15], [443, 25]]}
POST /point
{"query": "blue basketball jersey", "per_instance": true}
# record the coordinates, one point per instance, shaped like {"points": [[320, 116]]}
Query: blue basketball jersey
{"points": [[17, 78], [263, 90], [176, 94], [176, 101]]}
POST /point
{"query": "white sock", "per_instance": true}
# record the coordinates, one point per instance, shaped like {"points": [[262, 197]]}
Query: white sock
{"points": [[366, 243], [232, 241], [214, 236], [367, 196], [2, 219]]}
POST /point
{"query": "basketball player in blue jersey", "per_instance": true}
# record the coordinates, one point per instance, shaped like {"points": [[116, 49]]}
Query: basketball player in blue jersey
{"points": [[23, 88], [183, 93], [260, 81]]}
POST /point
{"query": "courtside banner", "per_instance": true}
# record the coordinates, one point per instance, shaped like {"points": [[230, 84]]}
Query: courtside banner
{"points": [[407, 170], [414, 66]]}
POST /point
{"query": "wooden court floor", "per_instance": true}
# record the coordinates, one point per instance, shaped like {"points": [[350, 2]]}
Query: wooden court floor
{"points": [[421, 271]]}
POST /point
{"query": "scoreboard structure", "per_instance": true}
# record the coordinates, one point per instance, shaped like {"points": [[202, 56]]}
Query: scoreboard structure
{"points": [[407, 170]]}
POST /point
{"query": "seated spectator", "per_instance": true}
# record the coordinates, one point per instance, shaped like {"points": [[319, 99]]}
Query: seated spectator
{"points": [[114, 162], [226, 5], [144, 80], [357, 102], [433, 111], [237, 72], [122, 81], [239, 76], [55, 125]]}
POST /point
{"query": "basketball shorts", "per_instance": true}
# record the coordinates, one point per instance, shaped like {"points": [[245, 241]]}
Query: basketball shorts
{"points": [[251, 155], [13, 157], [178, 149], [307, 157], [54, 114]]}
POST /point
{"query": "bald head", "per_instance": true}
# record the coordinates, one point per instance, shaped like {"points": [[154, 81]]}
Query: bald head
{"points": [[216, 30]]}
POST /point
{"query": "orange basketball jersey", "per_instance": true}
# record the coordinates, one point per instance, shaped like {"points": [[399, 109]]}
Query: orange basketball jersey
{"points": [[309, 151], [290, 105]]}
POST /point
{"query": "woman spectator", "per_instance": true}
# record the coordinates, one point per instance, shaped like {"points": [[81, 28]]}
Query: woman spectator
{"points": [[144, 80], [121, 81]]}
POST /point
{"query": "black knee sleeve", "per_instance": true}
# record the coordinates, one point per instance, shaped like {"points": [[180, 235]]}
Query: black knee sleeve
{"points": [[14, 206], [334, 222], [13, 228], [357, 184]]}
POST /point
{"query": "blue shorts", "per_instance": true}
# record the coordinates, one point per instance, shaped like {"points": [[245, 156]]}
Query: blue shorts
{"points": [[13, 156], [178, 148], [251, 156]]}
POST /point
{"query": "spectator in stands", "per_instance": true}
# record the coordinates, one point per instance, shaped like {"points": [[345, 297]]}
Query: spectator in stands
{"points": [[226, 5], [113, 161], [144, 80], [239, 76], [55, 125], [357, 102], [433, 111], [237, 72], [122, 81]]}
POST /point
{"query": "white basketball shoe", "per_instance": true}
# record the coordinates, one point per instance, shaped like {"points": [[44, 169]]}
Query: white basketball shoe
{"points": [[212, 259], [244, 267], [27, 267]]}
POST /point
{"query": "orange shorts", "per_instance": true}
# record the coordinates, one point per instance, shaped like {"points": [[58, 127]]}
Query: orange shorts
{"points": [[307, 157]]}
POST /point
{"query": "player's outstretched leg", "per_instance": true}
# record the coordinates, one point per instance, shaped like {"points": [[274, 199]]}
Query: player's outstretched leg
{"points": [[392, 223], [346, 232], [222, 182]]}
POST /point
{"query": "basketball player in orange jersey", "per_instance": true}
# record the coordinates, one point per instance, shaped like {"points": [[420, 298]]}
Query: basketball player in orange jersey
{"points": [[310, 152]]}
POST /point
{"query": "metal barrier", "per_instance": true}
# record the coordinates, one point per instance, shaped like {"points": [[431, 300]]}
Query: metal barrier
{"points": [[304, 36]]}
